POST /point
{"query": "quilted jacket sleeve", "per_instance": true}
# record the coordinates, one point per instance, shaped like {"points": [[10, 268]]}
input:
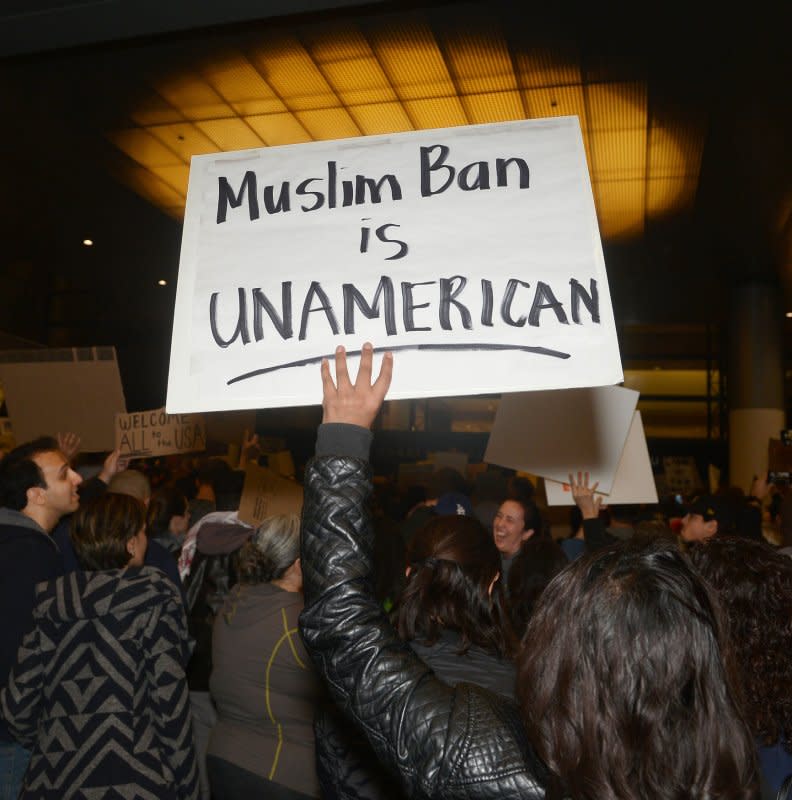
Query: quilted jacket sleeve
{"points": [[443, 742]]}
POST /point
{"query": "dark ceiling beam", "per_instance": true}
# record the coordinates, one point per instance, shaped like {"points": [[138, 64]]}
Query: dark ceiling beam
{"points": [[35, 26]]}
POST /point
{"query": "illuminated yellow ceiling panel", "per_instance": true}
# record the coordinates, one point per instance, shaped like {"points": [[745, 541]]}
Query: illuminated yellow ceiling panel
{"points": [[412, 60], [620, 207], [440, 112], [238, 82], [230, 134], [493, 107], [381, 118], [614, 106], [175, 177], [294, 76], [479, 63], [184, 139], [328, 123], [153, 109], [359, 81], [399, 73], [193, 97], [663, 194], [544, 67], [274, 129], [618, 155], [144, 148]]}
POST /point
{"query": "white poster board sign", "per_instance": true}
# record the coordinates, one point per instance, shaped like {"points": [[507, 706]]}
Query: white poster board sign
{"points": [[547, 433], [473, 253], [76, 390], [634, 481], [148, 434]]}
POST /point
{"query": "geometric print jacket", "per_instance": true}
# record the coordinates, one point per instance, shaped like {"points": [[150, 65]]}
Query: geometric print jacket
{"points": [[99, 692]]}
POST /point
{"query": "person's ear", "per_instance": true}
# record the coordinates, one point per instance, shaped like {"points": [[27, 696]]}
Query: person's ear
{"points": [[527, 534], [131, 546], [35, 495], [407, 571], [712, 527]]}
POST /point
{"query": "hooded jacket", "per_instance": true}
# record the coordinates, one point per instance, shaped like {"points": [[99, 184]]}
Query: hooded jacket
{"points": [[28, 555], [98, 692], [442, 741]]}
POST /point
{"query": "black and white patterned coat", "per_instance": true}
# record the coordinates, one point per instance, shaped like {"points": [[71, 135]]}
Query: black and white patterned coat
{"points": [[99, 693]]}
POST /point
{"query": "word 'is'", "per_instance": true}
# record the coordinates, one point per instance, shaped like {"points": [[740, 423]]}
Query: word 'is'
{"points": [[514, 310], [437, 176]]}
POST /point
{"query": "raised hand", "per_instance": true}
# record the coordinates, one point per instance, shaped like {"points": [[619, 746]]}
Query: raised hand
{"points": [[113, 464], [69, 445], [358, 403], [587, 501]]}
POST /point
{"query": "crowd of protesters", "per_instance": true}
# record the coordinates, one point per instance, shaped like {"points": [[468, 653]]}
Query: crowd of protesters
{"points": [[435, 641]]}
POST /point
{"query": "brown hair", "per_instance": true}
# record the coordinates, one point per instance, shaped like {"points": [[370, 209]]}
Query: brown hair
{"points": [[624, 686], [754, 584], [101, 529], [453, 561]]}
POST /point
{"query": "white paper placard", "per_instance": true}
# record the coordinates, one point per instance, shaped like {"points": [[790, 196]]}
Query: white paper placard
{"points": [[633, 483], [545, 432], [473, 253]]}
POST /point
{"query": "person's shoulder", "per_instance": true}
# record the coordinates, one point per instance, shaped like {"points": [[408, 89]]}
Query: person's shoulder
{"points": [[504, 763]]}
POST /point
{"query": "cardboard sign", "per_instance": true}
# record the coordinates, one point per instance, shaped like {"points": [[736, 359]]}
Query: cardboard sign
{"points": [[549, 433], [76, 390], [147, 434], [779, 456], [473, 253], [7, 441], [266, 494], [681, 474], [634, 481], [450, 459]]}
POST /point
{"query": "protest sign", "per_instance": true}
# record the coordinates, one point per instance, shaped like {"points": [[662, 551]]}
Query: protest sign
{"points": [[681, 475], [450, 459], [633, 482], [549, 433], [147, 434], [266, 494], [473, 253], [60, 390], [7, 441]]}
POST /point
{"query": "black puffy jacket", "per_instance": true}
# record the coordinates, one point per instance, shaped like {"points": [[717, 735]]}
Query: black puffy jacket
{"points": [[444, 742]]}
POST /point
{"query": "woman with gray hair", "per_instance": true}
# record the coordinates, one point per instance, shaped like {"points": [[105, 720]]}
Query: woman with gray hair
{"points": [[262, 682]]}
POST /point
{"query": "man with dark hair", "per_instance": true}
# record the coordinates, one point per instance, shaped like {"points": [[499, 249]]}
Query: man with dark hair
{"points": [[37, 487]]}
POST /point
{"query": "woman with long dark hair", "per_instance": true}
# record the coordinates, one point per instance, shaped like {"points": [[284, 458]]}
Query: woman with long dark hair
{"points": [[99, 692], [754, 585], [463, 741]]}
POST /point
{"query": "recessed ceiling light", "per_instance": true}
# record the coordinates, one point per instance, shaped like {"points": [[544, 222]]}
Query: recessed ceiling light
{"points": [[162, 282], [789, 313], [88, 242]]}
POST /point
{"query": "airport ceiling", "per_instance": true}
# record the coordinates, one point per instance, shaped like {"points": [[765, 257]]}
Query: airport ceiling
{"points": [[687, 122]]}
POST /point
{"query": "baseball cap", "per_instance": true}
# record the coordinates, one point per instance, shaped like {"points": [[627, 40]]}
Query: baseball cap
{"points": [[711, 507], [454, 503]]}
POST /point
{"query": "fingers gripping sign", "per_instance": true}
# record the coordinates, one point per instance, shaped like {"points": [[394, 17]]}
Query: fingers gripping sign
{"points": [[358, 403]]}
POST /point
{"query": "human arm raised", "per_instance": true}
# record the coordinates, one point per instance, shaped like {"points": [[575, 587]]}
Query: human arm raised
{"points": [[442, 741]]}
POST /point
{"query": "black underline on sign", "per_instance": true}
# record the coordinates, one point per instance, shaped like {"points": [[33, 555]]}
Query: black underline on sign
{"points": [[304, 362]]}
